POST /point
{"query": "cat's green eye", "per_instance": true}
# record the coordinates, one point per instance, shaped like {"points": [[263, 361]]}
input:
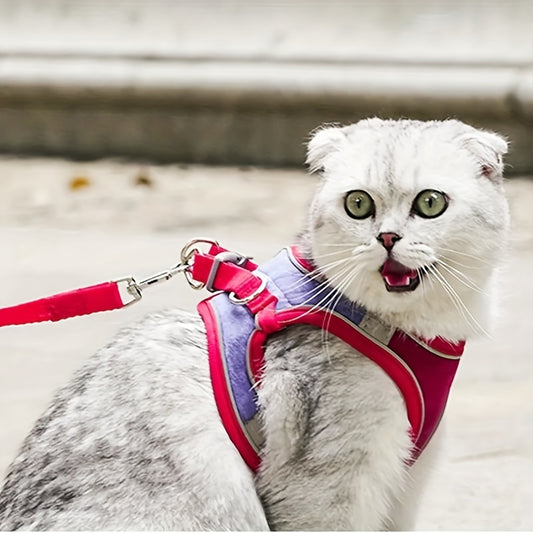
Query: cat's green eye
{"points": [[430, 203], [359, 204]]}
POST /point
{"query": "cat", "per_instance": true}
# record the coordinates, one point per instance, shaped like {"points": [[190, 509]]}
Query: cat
{"points": [[409, 221]]}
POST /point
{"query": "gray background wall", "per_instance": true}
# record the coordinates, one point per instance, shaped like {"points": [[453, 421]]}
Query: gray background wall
{"points": [[243, 82]]}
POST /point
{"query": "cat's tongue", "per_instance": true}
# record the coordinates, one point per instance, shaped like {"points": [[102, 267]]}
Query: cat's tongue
{"points": [[398, 277]]}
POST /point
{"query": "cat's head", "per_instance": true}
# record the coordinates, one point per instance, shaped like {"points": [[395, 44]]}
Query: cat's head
{"points": [[410, 219]]}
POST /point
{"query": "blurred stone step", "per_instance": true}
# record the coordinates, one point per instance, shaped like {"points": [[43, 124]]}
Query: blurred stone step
{"points": [[245, 82]]}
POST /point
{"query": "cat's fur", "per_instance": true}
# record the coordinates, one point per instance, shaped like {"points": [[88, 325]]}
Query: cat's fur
{"points": [[135, 441]]}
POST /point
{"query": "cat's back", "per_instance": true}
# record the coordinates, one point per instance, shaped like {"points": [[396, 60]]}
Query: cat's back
{"points": [[134, 432]]}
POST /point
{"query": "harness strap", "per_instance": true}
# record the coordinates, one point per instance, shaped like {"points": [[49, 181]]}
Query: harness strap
{"points": [[422, 370], [223, 275], [245, 285], [224, 401]]}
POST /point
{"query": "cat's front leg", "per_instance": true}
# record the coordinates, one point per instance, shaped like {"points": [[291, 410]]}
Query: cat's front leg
{"points": [[285, 418], [405, 508], [324, 498], [331, 460]]}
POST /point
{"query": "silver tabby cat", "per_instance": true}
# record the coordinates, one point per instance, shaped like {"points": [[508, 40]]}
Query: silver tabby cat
{"points": [[135, 440]]}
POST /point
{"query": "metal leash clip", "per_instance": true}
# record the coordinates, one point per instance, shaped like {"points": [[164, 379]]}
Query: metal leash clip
{"points": [[134, 288]]}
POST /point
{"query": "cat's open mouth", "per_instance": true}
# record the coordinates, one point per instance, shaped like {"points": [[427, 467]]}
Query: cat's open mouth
{"points": [[399, 278]]}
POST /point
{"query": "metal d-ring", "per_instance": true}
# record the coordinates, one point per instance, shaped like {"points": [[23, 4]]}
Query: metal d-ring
{"points": [[187, 254], [242, 301]]}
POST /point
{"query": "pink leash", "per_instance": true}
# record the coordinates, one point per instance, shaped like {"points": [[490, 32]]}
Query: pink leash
{"points": [[101, 297]]}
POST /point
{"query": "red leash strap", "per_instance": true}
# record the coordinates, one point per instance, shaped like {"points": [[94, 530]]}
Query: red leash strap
{"points": [[102, 297], [218, 269], [93, 299]]}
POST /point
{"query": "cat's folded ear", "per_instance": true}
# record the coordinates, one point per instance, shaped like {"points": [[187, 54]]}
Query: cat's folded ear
{"points": [[324, 142], [488, 148]]}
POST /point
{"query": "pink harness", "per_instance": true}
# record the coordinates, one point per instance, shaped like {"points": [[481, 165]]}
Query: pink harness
{"points": [[250, 303]]}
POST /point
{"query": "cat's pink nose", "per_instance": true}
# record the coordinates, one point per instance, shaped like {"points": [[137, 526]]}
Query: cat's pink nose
{"points": [[388, 240]]}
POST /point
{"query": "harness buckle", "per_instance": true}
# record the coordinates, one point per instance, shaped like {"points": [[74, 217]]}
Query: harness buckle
{"points": [[238, 260], [223, 257]]}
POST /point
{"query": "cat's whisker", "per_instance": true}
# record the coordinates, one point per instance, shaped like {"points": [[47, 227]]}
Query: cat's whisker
{"points": [[332, 294], [327, 287], [332, 300], [425, 280], [464, 265], [336, 244], [318, 273], [448, 289], [335, 288], [458, 302], [459, 276], [466, 254], [330, 254], [341, 290]]}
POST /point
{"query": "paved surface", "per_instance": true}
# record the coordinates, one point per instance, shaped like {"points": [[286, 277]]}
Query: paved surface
{"points": [[133, 219]]}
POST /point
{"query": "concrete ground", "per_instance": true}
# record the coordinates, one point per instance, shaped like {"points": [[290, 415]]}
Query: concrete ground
{"points": [[65, 225]]}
